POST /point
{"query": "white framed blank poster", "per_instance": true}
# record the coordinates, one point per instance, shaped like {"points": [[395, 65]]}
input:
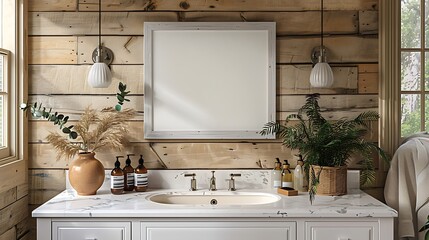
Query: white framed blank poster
{"points": [[208, 80]]}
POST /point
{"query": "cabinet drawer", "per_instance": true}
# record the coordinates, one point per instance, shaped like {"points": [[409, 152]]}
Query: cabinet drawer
{"points": [[218, 230], [341, 230], [91, 230]]}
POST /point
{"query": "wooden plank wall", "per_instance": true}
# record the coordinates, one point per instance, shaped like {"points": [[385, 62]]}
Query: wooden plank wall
{"points": [[63, 34]]}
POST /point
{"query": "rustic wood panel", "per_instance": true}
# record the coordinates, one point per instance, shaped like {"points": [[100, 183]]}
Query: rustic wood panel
{"points": [[9, 234], [216, 5], [295, 79], [292, 103], [21, 190], [52, 50], [334, 114], [44, 156], [71, 79], [52, 5], [7, 197], [86, 23], [368, 22], [13, 214], [126, 50], [341, 49], [368, 78], [45, 184], [23, 227], [129, 50], [13, 174], [74, 105]]}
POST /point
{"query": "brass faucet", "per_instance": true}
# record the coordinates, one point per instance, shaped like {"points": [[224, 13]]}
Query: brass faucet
{"points": [[212, 182]]}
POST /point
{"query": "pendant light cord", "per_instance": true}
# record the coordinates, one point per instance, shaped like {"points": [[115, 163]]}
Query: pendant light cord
{"points": [[99, 23], [321, 23]]}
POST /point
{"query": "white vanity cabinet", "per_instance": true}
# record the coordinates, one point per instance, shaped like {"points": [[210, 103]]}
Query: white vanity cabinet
{"points": [[335, 230], [83, 230], [225, 230]]}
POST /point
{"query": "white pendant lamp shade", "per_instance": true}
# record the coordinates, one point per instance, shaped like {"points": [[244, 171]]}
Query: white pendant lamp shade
{"points": [[99, 75], [321, 75]]}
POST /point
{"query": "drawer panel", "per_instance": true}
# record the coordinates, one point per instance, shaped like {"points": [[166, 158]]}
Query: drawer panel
{"points": [[91, 230], [341, 230], [218, 230]]}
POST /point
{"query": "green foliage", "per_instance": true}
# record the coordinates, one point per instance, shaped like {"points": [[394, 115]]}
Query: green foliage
{"points": [[326, 143], [121, 96], [38, 111]]}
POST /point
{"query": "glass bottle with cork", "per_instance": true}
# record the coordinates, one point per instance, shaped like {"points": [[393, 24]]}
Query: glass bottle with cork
{"points": [[277, 175]]}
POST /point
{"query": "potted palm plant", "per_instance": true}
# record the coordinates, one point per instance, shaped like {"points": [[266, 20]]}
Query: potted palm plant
{"points": [[327, 146]]}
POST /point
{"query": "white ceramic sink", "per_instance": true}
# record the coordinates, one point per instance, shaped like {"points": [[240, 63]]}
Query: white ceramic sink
{"points": [[214, 198]]}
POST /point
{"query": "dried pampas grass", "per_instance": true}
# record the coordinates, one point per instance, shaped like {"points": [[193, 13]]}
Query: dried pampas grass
{"points": [[104, 129]]}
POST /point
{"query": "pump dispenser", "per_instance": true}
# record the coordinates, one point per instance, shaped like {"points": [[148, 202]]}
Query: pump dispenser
{"points": [[298, 175], [277, 175], [117, 178], [287, 177], [140, 176], [128, 174]]}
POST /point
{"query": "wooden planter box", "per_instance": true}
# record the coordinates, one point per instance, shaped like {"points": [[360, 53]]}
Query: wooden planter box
{"points": [[332, 180]]}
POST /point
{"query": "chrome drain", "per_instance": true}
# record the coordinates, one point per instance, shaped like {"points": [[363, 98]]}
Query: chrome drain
{"points": [[213, 202]]}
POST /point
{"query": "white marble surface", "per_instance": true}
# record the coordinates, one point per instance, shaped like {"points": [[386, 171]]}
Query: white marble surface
{"points": [[355, 204]]}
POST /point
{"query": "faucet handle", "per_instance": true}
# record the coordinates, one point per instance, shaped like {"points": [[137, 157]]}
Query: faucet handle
{"points": [[232, 181], [193, 181]]}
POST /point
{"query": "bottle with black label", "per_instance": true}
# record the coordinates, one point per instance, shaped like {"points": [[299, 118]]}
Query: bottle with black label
{"points": [[140, 176], [128, 174], [117, 178]]}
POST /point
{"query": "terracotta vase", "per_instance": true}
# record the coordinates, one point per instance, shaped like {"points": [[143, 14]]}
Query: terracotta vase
{"points": [[86, 174]]}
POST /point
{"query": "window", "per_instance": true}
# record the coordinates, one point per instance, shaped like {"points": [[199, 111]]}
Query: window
{"points": [[414, 59], [12, 75]]}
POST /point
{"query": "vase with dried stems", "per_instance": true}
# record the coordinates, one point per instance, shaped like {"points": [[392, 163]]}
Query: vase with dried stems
{"points": [[95, 130]]}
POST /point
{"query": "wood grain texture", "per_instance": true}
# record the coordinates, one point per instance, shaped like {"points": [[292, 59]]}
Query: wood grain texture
{"points": [[368, 78], [52, 50], [52, 5], [74, 105], [341, 49], [9, 234], [13, 214], [368, 22], [86, 23], [71, 79], [295, 79], [21, 190], [13, 174], [7, 197], [126, 50], [44, 156], [223, 5], [45, 184]]}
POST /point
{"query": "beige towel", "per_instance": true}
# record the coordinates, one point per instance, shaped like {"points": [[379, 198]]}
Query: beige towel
{"points": [[407, 186]]}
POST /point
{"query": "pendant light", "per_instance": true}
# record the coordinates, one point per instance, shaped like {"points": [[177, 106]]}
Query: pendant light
{"points": [[99, 75], [321, 75]]}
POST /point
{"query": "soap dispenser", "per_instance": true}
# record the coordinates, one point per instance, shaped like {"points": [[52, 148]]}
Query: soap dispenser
{"points": [[140, 176], [298, 175], [287, 177], [277, 175], [117, 178], [128, 174]]}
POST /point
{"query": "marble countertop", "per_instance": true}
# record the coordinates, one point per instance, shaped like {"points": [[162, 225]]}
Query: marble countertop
{"points": [[67, 204]]}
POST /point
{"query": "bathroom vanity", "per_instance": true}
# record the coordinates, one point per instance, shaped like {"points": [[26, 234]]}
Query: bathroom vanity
{"points": [[251, 214]]}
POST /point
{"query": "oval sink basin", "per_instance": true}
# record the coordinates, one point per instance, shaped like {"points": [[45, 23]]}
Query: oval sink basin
{"points": [[215, 199]]}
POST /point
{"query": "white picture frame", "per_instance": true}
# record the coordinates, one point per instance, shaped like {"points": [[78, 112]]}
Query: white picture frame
{"points": [[209, 80]]}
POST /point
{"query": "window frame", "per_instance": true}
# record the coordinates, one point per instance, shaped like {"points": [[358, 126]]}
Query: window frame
{"points": [[15, 13], [5, 151]]}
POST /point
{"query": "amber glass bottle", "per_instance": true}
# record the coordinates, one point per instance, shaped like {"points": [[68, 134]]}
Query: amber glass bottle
{"points": [[287, 177], [140, 176], [128, 174], [117, 178]]}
